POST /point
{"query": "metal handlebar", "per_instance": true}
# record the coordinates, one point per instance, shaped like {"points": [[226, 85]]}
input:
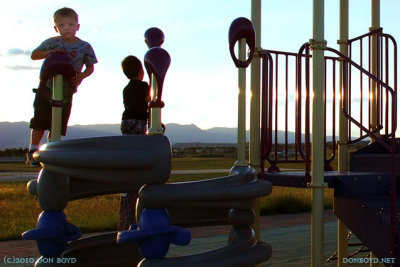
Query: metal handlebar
{"points": [[242, 28], [56, 64]]}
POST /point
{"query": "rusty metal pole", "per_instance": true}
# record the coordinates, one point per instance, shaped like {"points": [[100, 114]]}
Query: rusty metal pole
{"points": [[241, 139], [56, 112], [375, 24], [255, 74], [343, 147], [317, 185]]}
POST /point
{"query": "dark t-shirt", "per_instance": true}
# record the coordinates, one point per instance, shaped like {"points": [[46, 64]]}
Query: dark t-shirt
{"points": [[136, 94]]}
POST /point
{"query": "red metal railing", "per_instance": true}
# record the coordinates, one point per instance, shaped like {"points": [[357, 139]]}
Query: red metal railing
{"points": [[353, 95], [386, 104], [386, 71], [286, 114], [276, 144], [292, 98], [373, 133]]}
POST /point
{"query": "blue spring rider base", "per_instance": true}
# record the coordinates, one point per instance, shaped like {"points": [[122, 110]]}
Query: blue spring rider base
{"points": [[154, 234], [52, 233]]}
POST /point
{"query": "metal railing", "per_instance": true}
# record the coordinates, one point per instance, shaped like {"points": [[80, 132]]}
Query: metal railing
{"points": [[286, 104], [374, 133], [386, 71], [286, 100], [276, 145], [290, 142]]}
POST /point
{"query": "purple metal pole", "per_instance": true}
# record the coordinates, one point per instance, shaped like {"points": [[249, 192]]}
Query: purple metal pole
{"points": [[157, 62], [241, 31]]}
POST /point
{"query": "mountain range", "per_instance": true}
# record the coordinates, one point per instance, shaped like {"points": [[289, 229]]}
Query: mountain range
{"points": [[16, 134]]}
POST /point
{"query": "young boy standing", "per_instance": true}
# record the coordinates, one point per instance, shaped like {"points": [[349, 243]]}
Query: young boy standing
{"points": [[136, 96], [66, 24]]}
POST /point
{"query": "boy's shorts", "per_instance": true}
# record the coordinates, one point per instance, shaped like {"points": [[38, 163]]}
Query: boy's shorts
{"points": [[133, 126], [42, 115]]}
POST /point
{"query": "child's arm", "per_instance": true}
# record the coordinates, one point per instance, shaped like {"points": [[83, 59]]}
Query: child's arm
{"points": [[75, 81], [40, 54], [89, 60]]}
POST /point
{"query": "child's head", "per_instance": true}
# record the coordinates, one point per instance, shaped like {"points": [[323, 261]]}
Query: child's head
{"points": [[132, 67], [66, 22], [65, 12]]}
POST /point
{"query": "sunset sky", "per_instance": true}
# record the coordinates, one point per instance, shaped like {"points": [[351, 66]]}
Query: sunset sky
{"points": [[201, 84]]}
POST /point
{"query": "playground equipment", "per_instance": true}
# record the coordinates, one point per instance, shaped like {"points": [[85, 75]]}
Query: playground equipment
{"points": [[56, 68], [154, 38], [81, 168], [365, 198]]}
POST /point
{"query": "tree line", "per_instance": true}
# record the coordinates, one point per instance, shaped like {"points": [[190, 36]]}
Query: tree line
{"points": [[13, 152]]}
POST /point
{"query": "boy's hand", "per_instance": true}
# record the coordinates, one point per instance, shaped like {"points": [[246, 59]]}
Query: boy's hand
{"points": [[77, 79], [38, 54], [57, 50]]}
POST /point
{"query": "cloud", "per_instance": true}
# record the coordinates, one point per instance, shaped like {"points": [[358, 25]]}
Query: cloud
{"points": [[17, 52], [17, 67]]}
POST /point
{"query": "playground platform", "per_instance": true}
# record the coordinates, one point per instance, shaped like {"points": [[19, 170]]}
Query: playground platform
{"points": [[288, 234]]}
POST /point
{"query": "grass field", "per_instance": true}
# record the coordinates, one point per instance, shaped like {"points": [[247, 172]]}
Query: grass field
{"points": [[177, 164], [19, 210]]}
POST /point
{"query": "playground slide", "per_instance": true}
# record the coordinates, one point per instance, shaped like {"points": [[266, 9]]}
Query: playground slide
{"points": [[87, 167], [102, 250], [230, 198], [101, 165], [190, 203], [245, 250]]}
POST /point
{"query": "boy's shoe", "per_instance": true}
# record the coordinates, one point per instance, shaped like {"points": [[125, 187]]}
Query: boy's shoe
{"points": [[30, 160]]}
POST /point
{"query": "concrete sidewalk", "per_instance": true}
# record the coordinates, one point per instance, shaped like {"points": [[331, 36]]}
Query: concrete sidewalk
{"points": [[290, 246], [17, 176], [288, 234], [26, 176]]}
